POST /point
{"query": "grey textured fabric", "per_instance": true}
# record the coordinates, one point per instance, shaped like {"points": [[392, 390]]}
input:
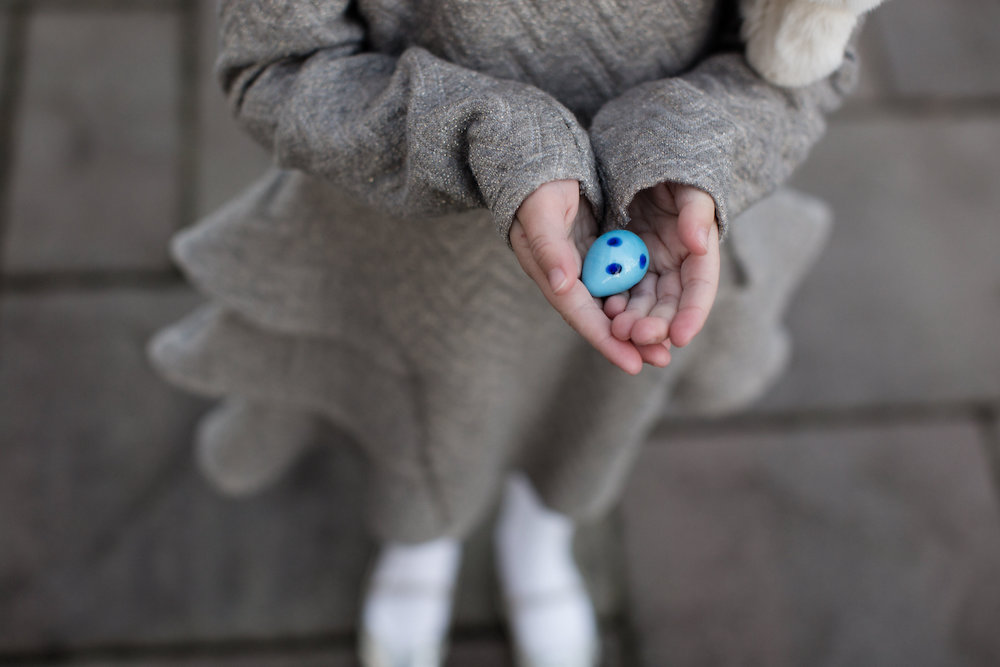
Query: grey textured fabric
{"points": [[363, 281], [244, 446]]}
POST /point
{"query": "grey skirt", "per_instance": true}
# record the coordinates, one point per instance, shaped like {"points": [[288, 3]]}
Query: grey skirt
{"points": [[426, 342]]}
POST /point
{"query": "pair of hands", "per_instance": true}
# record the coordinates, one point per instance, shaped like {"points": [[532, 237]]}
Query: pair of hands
{"points": [[552, 231]]}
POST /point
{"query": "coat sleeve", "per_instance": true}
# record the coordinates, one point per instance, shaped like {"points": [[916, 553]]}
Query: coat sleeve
{"points": [[411, 134], [719, 127]]}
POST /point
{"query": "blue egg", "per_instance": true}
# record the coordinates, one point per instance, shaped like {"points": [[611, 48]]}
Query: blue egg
{"points": [[615, 263]]}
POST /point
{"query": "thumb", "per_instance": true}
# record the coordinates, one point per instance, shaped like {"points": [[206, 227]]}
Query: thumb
{"points": [[695, 218], [548, 222]]}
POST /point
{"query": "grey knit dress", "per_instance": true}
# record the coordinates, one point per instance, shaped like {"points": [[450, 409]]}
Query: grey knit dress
{"points": [[367, 279]]}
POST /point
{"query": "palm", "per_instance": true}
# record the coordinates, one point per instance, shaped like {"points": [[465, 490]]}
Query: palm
{"points": [[551, 233], [671, 303]]}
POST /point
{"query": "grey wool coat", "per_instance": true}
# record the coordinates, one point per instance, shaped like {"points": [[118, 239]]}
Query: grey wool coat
{"points": [[367, 279]]}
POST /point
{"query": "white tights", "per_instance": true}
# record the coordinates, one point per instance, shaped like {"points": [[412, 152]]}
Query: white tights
{"points": [[551, 617]]}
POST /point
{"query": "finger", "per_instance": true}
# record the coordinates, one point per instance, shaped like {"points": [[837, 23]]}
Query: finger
{"points": [[641, 299], [695, 219], [700, 283], [655, 355], [615, 304], [578, 308], [581, 312], [655, 327]]}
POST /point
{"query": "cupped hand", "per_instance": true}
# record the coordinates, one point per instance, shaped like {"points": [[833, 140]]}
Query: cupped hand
{"points": [[671, 303], [552, 230]]}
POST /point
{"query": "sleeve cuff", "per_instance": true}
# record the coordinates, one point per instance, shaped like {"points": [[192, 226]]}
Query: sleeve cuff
{"points": [[546, 144], [663, 133]]}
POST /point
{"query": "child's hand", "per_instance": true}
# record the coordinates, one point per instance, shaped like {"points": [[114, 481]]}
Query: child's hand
{"points": [[552, 231], [671, 303]]}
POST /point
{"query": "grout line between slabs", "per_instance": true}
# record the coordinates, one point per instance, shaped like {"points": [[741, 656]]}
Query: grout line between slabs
{"points": [[188, 98], [922, 107], [94, 5], [830, 418], [71, 281], [220, 649], [15, 41], [989, 428]]}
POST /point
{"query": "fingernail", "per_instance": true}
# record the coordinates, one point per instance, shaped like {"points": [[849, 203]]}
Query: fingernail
{"points": [[557, 279], [704, 237]]}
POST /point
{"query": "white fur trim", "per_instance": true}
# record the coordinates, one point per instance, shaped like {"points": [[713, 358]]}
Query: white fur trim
{"points": [[857, 7], [794, 43]]}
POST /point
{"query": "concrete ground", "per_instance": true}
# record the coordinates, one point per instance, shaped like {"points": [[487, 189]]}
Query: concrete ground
{"points": [[851, 518]]}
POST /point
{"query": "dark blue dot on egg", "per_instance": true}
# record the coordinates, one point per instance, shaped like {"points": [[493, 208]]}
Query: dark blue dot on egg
{"points": [[642, 261], [614, 241], [614, 268]]}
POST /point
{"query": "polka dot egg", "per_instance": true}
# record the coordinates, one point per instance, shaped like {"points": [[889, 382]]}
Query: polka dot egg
{"points": [[615, 263]]}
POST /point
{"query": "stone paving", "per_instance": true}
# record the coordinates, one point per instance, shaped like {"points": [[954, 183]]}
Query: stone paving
{"points": [[850, 518], [95, 159]]}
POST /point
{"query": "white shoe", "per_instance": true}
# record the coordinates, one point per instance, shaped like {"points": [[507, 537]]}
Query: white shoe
{"points": [[372, 654], [407, 605], [549, 612], [587, 653]]}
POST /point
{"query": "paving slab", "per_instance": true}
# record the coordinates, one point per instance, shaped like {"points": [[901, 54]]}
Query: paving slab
{"points": [[228, 159], [95, 160], [902, 306], [941, 49], [873, 80], [86, 430], [851, 546]]}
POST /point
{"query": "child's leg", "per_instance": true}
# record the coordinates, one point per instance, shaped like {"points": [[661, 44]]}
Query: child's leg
{"points": [[407, 608], [551, 616]]}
